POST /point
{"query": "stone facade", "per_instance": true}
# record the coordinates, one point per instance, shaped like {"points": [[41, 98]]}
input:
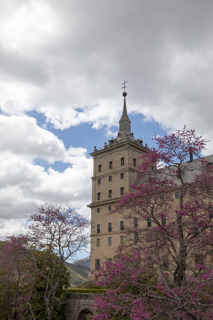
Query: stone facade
{"points": [[115, 169]]}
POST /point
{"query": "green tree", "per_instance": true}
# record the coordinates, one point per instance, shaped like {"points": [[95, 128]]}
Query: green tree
{"points": [[37, 302], [33, 266], [17, 279], [60, 230], [22, 287]]}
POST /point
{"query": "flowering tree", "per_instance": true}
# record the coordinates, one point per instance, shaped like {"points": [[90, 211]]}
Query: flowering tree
{"points": [[55, 235], [17, 279], [37, 302], [165, 268], [59, 230]]}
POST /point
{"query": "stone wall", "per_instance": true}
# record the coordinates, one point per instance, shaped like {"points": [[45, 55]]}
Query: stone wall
{"points": [[77, 305]]}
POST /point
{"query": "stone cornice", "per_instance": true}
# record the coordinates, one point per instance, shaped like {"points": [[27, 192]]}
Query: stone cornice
{"points": [[103, 202], [120, 232], [127, 142]]}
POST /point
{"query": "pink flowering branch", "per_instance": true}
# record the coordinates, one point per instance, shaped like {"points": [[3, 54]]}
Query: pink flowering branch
{"points": [[17, 276], [55, 234], [164, 270]]}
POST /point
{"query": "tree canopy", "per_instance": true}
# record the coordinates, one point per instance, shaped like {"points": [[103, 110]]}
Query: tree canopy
{"points": [[165, 268], [33, 274]]}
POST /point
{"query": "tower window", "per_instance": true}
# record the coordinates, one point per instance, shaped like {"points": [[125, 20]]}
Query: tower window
{"points": [[210, 212], [110, 178], [99, 168], [98, 210], [98, 242], [97, 264], [121, 225], [134, 162], [136, 223], [110, 165], [98, 228], [136, 238], [165, 262], [163, 221], [122, 161], [99, 181], [110, 193], [208, 189], [110, 227], [99, 196], [198, 258], [121, 240], [109, 208], [122, 191], [149, 222], [122, 175], [109, 241], [177, 195]]}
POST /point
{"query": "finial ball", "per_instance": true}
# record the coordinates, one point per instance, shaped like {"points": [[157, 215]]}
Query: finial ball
{"points": [[124, 94]]}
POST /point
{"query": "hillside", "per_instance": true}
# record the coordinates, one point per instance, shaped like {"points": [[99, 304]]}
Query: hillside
{"points": [[84, 262], [79, 271]]}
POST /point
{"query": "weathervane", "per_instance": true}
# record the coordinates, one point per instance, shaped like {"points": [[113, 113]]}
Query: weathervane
{"points": [[124, 87]]}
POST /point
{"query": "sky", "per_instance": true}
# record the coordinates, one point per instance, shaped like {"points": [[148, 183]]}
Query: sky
{"points": [[62, 64]]}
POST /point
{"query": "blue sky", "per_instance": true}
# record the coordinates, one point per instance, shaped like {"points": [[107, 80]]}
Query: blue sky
{"points": [[62, 64], [87, 137]]}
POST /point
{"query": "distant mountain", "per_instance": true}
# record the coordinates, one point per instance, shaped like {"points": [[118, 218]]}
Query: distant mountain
{"points": [[84, 262], [79, 271]]}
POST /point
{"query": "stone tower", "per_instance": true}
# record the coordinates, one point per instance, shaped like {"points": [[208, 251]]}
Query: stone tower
{"points": [[114, 170]]}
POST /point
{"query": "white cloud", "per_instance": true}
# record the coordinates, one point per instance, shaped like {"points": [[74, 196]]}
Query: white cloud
{"points": [[23, 184], [28, 24], [21, 135], [67, 60], [11, 227]]}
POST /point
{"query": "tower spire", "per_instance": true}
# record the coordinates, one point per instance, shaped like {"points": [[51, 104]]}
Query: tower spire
{"points": [[124, 123]]}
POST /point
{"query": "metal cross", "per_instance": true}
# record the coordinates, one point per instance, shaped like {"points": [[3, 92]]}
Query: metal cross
{"points": [[124, 85]]}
